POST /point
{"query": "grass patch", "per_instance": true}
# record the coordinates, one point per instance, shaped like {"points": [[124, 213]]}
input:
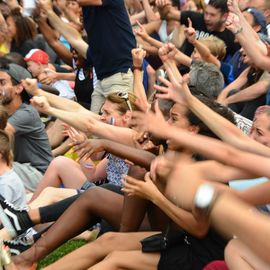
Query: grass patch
{"points": [[60, 252]]}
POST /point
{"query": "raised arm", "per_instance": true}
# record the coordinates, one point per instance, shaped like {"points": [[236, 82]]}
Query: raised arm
{"points": [[168, 12], [149, 13], [30, 85], [224, 129], [52, 39], [87, 122], [138, 88], [208, 147], [255, 49], [137, 156], [70, 33]]}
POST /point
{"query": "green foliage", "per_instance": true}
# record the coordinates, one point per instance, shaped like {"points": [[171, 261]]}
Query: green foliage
{"points": [[60, 252]]}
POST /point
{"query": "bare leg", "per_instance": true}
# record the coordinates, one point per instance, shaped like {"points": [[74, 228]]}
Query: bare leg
{"points": [[134, 208], [95, 202], [132, 260], [96, 251], [61, 170], [239, 256], [50, 195]]}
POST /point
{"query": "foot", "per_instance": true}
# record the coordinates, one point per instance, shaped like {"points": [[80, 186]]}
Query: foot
{"points": [[15, 220], [22, 264]]}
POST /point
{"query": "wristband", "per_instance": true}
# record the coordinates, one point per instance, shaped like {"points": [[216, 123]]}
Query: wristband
{"points": [[205, 198], [135, 67]]}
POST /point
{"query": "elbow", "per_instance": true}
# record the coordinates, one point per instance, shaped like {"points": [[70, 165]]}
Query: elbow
{"points": [[200, 231]]}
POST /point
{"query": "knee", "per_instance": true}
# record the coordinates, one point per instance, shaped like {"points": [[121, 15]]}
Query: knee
{"points": [[62, 163], [108, 238], [49, 191]]}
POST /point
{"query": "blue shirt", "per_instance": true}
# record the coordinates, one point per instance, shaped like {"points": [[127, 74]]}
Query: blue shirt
{"points": [[110, 37]]}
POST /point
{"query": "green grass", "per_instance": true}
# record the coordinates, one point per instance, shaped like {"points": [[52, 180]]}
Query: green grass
{"points": [[60, 252]]}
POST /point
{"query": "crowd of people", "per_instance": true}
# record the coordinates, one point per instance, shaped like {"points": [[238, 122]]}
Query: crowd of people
{"points": [[140, 126]]}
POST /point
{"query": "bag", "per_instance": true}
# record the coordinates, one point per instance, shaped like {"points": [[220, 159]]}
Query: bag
{"points": [[161, 241], [153, 243]]}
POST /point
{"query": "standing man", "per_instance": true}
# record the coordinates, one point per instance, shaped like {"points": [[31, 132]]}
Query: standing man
{"points": [[211, 22], [32, 151], [110, 40]]}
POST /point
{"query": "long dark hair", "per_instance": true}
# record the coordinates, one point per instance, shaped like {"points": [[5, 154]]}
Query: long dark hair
{"points": [[25, 27]]}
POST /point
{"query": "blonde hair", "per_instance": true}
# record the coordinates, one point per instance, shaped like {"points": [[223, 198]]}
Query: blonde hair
{"points": [[122, 100], [216, 46]]}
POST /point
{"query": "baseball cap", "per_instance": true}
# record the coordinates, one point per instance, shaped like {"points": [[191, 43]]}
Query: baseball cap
{"points": [[259, 19], [16, 72], [38, 56]]}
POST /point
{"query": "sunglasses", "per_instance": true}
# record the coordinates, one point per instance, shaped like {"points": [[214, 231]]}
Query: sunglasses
{"points": [[124, 95]]}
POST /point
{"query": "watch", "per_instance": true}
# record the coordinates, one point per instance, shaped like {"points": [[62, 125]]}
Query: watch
{"points": [[205, 197]]}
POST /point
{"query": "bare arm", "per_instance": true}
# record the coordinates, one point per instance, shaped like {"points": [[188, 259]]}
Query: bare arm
{"points": [[53, 41], [148, 190], [87, 122], [246, 37], [236, 84], [223, 128], [149, 13], [70, 33], [249, 93], [137, 156], [31, 87], [138, 88]]}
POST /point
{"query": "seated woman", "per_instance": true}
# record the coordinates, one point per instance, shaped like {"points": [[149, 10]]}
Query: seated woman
{"points": [[64, 171]]}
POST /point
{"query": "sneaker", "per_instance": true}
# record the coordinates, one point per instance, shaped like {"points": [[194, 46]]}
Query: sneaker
{"points": [[16, 247], [15, 220]]}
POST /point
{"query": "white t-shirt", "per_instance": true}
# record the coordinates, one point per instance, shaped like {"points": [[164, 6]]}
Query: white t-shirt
{"points": [[12, 189], [64, 89]]}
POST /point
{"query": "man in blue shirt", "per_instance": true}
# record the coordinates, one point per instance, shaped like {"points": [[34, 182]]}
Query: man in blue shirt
{"points": [[110, 39]]}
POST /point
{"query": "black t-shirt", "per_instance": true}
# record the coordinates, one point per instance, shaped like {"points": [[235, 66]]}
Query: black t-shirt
{"points": [[201, 31], [110, 37], [84, 87]]}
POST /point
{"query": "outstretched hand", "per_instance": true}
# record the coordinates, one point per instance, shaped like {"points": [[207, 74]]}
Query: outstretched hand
{"points": [[174, 90], [190, 32], [153, 122], [86, 148], [73, 133]]}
